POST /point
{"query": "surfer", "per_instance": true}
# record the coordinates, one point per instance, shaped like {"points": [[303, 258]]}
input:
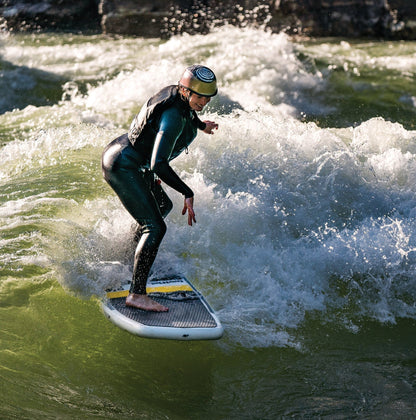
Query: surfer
{"points": [[134, 163]]}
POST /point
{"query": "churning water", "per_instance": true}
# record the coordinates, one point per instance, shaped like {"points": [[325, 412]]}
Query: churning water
{"points": [[305, 241]]}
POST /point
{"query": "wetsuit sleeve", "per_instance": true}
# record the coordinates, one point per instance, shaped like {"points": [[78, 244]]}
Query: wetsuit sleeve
{"points": [[170, 127], [200, 124]]}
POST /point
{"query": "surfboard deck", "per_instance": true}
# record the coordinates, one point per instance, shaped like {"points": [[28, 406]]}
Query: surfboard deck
{"points": [[189, 317]]}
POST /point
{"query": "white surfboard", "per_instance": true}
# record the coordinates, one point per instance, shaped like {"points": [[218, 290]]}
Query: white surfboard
{"points": [[189, 316]]}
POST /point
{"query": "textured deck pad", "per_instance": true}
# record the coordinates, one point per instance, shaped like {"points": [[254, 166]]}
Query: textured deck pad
{"points": [[187, 313], [189, 316]]}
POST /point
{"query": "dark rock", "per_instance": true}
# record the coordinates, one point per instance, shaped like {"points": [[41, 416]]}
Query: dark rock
{"points": [[166, 18], [144, 18], [23, 15], [350, 18], [395, 19], [405, 11]]}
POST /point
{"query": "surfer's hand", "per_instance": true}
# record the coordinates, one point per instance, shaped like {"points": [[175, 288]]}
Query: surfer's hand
{"points": [[189, 207], [210, 126]]}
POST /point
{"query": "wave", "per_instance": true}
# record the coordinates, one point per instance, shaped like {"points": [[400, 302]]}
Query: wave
{"points": [[295, 221]]}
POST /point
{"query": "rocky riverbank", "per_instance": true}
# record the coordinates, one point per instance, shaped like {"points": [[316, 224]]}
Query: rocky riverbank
{"points": [[394, 19]]}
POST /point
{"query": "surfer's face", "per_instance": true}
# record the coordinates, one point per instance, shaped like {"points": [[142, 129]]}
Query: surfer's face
{"points": [[197, 102]]}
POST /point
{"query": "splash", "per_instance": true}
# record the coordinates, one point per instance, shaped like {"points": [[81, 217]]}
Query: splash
{"points": [[295, 221]]}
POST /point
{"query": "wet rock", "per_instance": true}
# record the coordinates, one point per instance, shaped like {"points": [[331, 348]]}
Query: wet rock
{"points": [[143, 18], [163, 18], [350, 18], [20, 15]]}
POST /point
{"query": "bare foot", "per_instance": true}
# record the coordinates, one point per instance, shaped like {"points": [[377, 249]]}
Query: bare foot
{"points": [[144, 302]]}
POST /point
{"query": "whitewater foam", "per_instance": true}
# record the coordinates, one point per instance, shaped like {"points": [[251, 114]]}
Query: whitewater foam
{"points": [[293, 220]]}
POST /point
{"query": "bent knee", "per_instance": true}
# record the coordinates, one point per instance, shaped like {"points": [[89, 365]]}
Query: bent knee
{"points": [[154, 231], [162, 228]]}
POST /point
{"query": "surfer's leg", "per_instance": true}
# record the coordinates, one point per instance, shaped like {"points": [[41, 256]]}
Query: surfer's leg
{"points": [[132, 187], [165, 207], [140, 203], [152, 233]]}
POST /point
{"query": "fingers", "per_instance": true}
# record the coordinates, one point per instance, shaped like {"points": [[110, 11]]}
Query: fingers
{"points": [[191, 215], [210, 126], [189, 207], [189, 219]]}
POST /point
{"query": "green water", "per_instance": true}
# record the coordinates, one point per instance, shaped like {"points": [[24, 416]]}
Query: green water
{"points": [[305, 243], [53, 366], [365, 83]]}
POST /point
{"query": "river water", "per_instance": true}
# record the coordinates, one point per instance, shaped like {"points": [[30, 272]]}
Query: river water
{"points": [[305, 242]]}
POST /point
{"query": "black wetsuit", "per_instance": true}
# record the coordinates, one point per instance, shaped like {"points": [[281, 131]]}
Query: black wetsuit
{"points": [[160, 132]]}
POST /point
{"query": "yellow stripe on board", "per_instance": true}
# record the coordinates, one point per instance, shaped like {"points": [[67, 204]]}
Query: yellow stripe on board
{"points": [[169, 289], [117, 294], [154, 289]]}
